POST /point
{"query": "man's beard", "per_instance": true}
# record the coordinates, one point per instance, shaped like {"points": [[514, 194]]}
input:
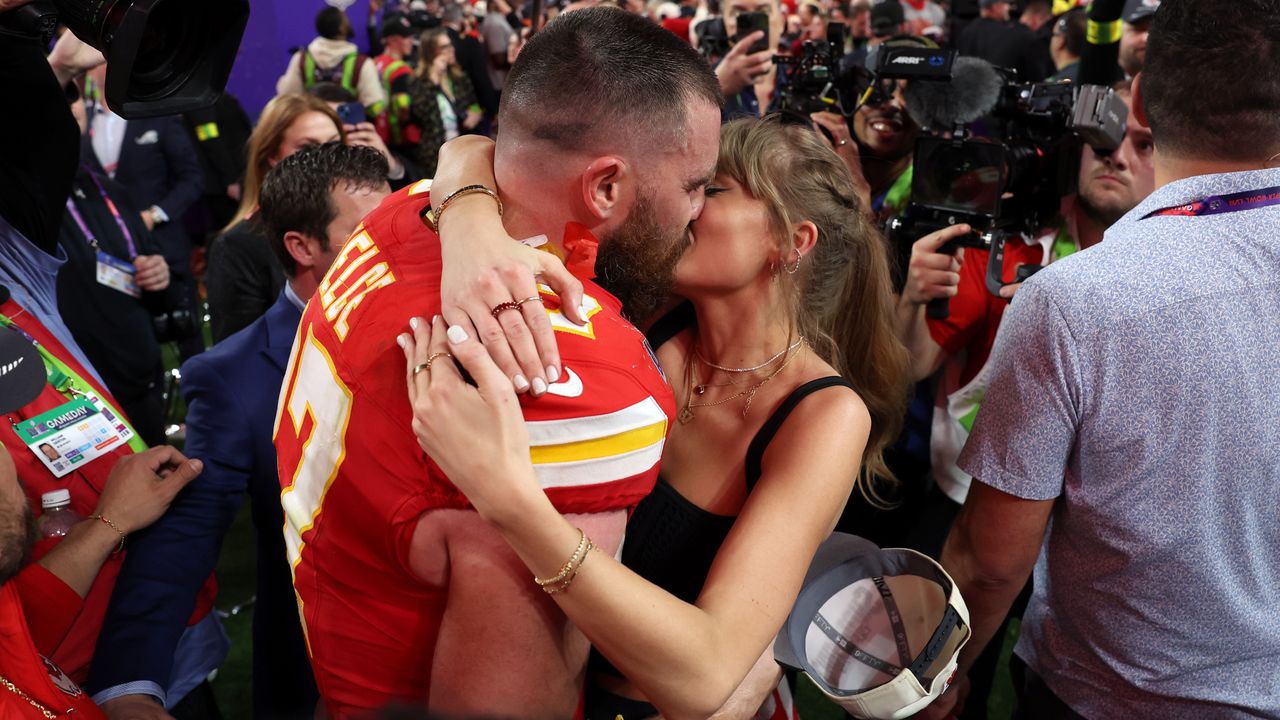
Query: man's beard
{"points": [[18, 534], [637, 261]]}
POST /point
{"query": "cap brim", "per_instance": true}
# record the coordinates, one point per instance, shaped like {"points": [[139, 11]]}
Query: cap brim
{"points": [[22, 373], [845, 558]]}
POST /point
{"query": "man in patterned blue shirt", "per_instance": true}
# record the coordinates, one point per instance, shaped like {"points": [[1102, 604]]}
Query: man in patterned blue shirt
{"points": [[1129, 444]]}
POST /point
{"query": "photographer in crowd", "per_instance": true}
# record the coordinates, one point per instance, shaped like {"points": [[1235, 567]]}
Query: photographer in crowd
{"points": [[1132, 400], [750, 80], [1110, 184]]}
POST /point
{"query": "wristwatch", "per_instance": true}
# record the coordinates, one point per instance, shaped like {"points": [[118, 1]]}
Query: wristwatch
{"points": [[158, 215]]}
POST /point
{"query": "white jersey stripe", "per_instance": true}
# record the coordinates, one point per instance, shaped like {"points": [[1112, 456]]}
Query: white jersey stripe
{"points": [[593, 427], [599, 470]]}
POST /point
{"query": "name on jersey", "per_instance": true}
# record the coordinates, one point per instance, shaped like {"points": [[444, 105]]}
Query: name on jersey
{"points": [[357, 271]]}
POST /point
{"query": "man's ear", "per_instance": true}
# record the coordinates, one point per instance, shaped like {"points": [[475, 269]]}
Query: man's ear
{"points": [[1135, 97], [302, 248], [604, 187]]}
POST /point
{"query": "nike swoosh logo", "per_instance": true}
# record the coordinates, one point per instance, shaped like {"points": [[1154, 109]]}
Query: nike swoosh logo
{"points": [[570, 386]]}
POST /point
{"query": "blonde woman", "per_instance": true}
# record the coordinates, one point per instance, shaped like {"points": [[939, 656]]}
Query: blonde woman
{"points": [[789, 383], [244, 278]]}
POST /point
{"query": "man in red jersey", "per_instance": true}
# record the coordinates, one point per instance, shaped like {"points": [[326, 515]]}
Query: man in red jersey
{"points": [[610, 131]]}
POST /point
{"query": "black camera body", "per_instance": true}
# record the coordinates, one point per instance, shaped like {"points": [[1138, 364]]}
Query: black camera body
{"points": [[1000, 165], [815, 79], [164, 57]]}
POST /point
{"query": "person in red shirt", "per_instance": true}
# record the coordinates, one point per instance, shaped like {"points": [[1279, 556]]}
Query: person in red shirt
{"points": [[405, 593], [41, 602]]}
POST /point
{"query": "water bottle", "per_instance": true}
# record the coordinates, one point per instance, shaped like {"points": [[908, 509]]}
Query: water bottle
{"points": [[58, 517]]}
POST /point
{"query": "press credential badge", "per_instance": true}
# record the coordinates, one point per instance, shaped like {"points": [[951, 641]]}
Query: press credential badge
{"points": [[74, 434]]}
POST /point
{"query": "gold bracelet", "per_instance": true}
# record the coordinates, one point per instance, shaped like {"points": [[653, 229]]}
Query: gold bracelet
{"points": [[113, 526], [562, 586], [431, 218], [568, 566]]}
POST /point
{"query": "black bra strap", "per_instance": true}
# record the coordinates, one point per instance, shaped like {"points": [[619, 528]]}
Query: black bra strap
{"points": [[670, 325], [755, 451]]}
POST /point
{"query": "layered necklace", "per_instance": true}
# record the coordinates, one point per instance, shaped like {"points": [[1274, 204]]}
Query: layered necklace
{"points": [[696, 388]]}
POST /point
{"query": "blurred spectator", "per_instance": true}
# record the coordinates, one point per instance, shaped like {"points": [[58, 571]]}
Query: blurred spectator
{"points": [[395, 68], [471, 57], [311, 203], [332, 57], [1126, 444], [244, 277], [1004, 43], [444, 104], [153, 159], [1133, 40], [1036, 14], [750, 81], [220, 135], [402, 170], [924, 17], [497, 35], [1067, 45], [114, 282], [887, 19]]}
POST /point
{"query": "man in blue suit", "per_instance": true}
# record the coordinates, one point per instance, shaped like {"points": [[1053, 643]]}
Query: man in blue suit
{"points": [[311, 203], [154, 160]]}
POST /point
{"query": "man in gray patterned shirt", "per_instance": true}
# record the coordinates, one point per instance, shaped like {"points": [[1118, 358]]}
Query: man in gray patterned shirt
{"points": [[1129, 444]]}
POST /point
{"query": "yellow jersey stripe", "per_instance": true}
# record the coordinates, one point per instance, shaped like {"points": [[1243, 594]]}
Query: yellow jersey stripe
{"points": [[601, 447]]}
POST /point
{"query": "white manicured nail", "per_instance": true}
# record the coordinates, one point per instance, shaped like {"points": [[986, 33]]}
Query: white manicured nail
{"points": [[434, 318], [539, 386], [457, 335], [413, 323], [401, 340], [520, 383], [552, 373]]}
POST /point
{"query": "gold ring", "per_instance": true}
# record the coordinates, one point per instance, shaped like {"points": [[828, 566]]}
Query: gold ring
{"points": [[535, 298], [420, 367], [435, 356]]}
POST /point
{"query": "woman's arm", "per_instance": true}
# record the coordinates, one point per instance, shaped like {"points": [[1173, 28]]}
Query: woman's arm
{"points": [[485, 267], [687, 659]]}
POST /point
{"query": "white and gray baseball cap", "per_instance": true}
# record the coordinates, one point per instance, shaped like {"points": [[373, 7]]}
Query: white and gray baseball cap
{"points": [[878, 631], [22, 374]]}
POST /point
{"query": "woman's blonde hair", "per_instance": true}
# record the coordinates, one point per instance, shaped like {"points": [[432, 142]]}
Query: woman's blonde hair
{"points": [[266, 139], [841, 296]]}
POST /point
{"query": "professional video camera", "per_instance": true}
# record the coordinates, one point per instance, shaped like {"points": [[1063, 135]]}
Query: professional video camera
{"points": [[815, 81], [996, 154], [163, 56]]}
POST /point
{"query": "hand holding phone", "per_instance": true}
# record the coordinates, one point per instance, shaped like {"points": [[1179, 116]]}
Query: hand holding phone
{"points": [[351, 113], [754, 22]]}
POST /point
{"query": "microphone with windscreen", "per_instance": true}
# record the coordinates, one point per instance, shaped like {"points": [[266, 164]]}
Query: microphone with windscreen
{"points": [[971, 94]]}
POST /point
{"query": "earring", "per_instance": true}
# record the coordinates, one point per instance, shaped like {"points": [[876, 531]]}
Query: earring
{"points": [[792, 267]]}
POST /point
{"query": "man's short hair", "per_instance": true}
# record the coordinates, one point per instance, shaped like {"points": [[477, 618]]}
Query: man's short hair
{"points": [[1210, 87], [329, 23], [1073, 27], [296, 193], [603, 72]]}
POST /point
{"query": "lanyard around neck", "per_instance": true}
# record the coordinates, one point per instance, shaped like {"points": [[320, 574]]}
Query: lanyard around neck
{"points": [[115, 213], [1222, 204]]}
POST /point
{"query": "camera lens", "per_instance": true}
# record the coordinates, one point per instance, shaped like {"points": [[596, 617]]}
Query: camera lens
{"points": [[169, 49]]}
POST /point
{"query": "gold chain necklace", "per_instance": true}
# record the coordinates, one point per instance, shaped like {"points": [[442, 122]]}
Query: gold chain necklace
{"points": [[17, 691], [686, 412]]}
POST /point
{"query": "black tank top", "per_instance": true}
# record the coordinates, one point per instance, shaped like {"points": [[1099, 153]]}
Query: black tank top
{"points": [[670, 541]]}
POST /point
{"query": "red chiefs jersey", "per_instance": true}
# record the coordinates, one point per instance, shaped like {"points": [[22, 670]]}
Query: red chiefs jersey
{"points": [[355, 480], [21, 663]]}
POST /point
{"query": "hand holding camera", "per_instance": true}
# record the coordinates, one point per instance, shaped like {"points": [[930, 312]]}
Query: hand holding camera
{"points": [[933, 274]]}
